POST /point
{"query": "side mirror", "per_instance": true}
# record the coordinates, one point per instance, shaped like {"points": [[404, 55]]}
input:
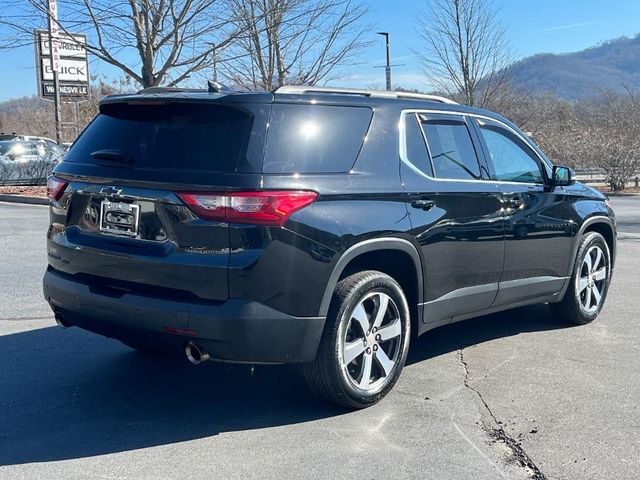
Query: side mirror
{"points": [[562, 176]]}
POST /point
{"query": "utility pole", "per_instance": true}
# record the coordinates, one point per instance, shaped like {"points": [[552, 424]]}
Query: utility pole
{"points": [[388, 67], [52, 7]]}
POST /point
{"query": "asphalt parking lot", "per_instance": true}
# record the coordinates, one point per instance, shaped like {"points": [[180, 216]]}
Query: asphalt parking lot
{"points": [[513, 395]]}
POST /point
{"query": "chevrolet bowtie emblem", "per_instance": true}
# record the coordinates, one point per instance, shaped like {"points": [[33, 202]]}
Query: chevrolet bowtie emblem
{"points": [[111, 191]]}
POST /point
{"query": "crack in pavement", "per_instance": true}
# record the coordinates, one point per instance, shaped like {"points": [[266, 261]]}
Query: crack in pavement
{"points": [[498, 433]]}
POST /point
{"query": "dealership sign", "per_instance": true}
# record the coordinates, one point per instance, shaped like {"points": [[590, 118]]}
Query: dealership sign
{"points": [[69, 60]]}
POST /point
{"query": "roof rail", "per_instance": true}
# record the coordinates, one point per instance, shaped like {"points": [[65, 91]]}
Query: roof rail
{"points": [[300, 89]]}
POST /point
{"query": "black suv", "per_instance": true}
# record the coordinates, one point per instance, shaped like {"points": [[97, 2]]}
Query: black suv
{"points": [[313, 226]]}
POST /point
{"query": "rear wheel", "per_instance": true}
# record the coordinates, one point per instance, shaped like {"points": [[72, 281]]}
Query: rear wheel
{"points": [[365, 341], [587, 291]]}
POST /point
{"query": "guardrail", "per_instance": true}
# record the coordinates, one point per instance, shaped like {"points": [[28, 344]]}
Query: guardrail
{"points": [[599, 179]]}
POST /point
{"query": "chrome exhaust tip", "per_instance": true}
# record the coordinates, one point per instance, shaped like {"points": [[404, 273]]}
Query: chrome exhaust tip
{"points": [[62, 323], [195, 353]]}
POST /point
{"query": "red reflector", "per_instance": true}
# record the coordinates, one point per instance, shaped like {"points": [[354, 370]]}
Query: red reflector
{"points": [[261, 208], [181, 331], [55, 187]]}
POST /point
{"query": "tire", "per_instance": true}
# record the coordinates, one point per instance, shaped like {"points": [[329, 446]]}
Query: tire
{"points": [[581, 304], [346, 353]]}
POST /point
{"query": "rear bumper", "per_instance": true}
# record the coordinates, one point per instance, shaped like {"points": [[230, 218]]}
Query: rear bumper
{"points": [[235, 330]]}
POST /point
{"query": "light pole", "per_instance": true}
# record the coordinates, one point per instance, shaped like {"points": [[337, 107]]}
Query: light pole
{"points": [[388, 67]]}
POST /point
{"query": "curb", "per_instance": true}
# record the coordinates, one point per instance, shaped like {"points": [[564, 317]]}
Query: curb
{"points": [[24, 199]]}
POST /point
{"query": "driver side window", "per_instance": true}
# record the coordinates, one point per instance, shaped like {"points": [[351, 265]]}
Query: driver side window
{"points": [[512, 161]]}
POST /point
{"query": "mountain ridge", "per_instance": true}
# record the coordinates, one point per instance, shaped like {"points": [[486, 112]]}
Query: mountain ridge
{"points": [[611, 65]]}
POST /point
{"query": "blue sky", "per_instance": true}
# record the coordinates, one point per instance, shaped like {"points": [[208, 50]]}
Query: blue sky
{"points": [[533, 26]]}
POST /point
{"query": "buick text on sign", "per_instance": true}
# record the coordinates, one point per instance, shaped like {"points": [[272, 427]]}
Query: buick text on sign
{"points": [[71, 70]]}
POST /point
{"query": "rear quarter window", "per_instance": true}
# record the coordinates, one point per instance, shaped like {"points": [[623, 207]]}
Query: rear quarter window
{"points": [[315, 138]]}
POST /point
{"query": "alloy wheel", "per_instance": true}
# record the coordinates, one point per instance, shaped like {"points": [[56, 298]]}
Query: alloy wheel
{"points": [[371, 342], [592, 279]]}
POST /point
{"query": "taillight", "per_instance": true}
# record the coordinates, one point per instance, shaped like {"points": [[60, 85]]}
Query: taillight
{"points": [[261, 208], [55, 187]]}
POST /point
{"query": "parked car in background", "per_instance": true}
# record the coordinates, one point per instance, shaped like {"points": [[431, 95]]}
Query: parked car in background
{"points": [[27, 159]]}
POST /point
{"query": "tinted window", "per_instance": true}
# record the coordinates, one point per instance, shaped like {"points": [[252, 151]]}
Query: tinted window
{"points": [[452, 152], [31, 148], [315, 138], [512, 161], [5, 147], [16, 149], [177, 136], [417, 152]]}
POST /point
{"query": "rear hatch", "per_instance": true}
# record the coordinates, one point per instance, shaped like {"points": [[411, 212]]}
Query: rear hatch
{"points": [[122, 219]]}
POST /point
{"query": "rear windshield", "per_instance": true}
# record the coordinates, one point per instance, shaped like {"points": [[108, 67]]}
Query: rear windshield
{"points": [[314, 138], [172, 136]]}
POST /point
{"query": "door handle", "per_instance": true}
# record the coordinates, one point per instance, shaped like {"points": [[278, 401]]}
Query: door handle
{"points": [[423, 204]]}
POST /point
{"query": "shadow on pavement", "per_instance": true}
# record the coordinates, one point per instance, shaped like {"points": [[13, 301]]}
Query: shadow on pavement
{"points": [[450, 338], [68, 394]]}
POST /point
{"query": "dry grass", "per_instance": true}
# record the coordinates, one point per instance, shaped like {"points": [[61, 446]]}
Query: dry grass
{"points": [[24, 190]]}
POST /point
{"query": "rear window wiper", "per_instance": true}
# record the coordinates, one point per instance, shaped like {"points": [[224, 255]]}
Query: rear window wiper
{"points": [[111, 154]]}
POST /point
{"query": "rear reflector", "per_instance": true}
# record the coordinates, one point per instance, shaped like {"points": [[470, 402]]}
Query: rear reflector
{"points": [[180, 331], [260, 208], [55, 187]]}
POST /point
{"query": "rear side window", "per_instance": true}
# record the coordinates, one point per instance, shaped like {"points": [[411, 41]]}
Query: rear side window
{"points": [[169, 136], [452, 152], [314, 138]]}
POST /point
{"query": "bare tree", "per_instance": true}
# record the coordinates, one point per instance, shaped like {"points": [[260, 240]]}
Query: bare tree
{"points": [[153, 42], [611, 136], [600, 134], [466, 52], [617, 154], [292, 41]]}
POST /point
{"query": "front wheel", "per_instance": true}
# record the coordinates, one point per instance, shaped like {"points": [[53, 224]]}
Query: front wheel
{"points": [[589, 285], [365, 341]]}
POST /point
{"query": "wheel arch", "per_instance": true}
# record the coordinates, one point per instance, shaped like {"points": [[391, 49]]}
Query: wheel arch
{"points": [[389, 255], [604, 226]]}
